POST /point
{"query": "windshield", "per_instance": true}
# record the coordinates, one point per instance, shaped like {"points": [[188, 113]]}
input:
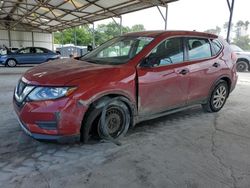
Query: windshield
{"points": [[118, 50], [236, 48]]}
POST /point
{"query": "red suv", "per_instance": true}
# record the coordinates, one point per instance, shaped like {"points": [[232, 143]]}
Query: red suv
{"points": [[131, 78]]}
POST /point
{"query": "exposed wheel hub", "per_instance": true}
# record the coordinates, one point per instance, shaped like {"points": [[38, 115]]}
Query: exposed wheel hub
{"points": [[114, 120]]}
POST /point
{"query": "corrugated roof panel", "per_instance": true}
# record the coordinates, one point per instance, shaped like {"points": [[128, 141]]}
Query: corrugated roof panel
{"points": [[107, 4], [79, 3], [68, 17], [55, 3], [42, 10], [58, 12], [92, 9], [53, 23], [67, 13], [80, 14], [68, 5]]}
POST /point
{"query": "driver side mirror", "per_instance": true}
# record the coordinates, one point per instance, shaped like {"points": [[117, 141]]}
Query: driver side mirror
{"points": [[89, 48]]}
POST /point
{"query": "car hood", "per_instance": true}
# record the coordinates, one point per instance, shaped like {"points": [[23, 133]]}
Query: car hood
{"points": [[61, 72]]}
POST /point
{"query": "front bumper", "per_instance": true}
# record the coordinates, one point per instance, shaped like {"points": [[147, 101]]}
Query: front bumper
{"points": [[55, 120], [46, 137]]}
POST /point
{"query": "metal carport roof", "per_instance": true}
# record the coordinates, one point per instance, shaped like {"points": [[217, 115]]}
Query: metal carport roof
{"points": [[54, 15]]}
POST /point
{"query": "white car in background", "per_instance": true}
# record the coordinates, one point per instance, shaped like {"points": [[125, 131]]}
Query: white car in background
{"points": [[243, 61]]}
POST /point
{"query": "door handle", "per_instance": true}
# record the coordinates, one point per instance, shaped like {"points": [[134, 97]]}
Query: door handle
{"points": [[184, 71], [216, 65]]}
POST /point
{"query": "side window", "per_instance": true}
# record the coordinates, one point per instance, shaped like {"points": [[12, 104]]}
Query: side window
{"points": [[217, 46], [24, 51], [167, 52], [40, 51], [198, 48]]}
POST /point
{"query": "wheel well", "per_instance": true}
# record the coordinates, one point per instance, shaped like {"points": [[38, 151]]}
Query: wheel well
{"points": [[228, 82], [99, 103], [243, 59], [11, 59]]}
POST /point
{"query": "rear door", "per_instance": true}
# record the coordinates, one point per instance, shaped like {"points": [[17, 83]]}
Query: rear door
{"points": [[162, 78], [24, 56], [204, 68]]}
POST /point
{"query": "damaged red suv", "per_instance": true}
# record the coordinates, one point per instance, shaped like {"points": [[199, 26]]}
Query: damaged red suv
{"points": [[131, 78]]}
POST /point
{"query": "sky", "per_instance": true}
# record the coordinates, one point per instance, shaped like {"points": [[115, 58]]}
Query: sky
{"points": [[196, 15]]}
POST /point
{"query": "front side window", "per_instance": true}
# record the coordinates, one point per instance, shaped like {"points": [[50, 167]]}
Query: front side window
{"points": [[24, 51], [198, 48], [167, 52], [118, 50]]}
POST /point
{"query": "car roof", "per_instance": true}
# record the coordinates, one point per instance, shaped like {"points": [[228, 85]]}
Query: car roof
{"points": [[171, 32]]}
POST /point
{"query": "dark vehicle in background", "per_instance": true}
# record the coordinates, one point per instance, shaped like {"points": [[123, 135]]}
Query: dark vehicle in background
{"points": [[243, 58], [28, 55]]}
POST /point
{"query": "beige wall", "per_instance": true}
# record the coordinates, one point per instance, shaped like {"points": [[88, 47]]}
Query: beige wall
{"points": [[24, 39]]}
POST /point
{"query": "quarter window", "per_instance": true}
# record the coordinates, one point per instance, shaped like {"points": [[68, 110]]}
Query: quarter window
{"points": [[40, 51], [168, 52], [198, 49], [217, 46]]}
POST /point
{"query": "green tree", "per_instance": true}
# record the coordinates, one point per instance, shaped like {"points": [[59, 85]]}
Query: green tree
{"points": [[102, 33], [243, 42], [225, 26], [215, 31], [105, 32], [137, 27], [78, 35]]}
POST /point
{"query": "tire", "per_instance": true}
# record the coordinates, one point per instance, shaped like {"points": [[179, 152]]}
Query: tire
{"points": [[242, 66], [217, 98], [11, 63], [114, 120]]}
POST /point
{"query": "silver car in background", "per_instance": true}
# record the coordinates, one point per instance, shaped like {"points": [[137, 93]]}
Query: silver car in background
{"points": [[243, 61]]}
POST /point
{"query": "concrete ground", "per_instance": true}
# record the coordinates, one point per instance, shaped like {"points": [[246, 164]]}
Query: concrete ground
{"points": [[189, 149]]}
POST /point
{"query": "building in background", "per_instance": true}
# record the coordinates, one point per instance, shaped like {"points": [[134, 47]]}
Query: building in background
{"points": [[20, 39]]}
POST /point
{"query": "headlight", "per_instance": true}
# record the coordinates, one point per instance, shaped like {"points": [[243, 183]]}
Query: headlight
{"points": [[48, 93]]}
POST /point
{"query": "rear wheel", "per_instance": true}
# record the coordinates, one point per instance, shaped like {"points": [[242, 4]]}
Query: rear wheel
{"points": [[242, 66], [11, 63], [218, 97]]}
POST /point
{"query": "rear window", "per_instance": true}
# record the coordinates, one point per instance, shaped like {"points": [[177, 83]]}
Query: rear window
{"points": [[217, 46], [198, 48]]}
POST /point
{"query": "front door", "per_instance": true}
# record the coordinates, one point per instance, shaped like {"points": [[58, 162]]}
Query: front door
{"points": [[163, 78]]}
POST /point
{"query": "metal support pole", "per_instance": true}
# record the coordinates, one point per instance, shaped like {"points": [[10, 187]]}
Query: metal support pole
{"points": [[118, 25], [53, 37], [164, 17], [75, 42], [9, 37], [93, 36], [121, 25], [32, 38], [75, 36], [231, 9]]}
